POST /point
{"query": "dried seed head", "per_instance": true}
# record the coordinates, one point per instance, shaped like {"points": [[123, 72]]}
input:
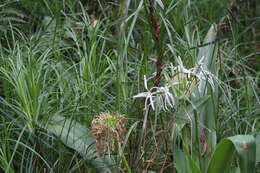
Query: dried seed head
{"points": [[108, 131]]}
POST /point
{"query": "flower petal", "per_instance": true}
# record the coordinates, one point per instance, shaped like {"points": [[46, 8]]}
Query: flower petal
{"points": [[140, 95]]}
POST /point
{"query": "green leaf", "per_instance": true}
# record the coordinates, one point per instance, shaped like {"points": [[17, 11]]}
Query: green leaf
{"points": [[188, 110], [208, 50], [222, 157], [246, 148], [182, 120], [243, 145], [184, 163], [207, 112], [78, 138], [181, 162], [258, 147]]}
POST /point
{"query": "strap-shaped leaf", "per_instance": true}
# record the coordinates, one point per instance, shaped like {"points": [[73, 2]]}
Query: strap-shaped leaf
{"points": [[243, 145], [78, 138], [184, 163], [207, 57]]}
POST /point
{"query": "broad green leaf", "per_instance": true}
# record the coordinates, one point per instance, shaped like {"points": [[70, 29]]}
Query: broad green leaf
{"points": [[184, 163], [196, 104], [184, 114], [78, 138], [181, 163], [188, 110], [246, 149], [243, 145], [222, 157], [208, 50], [194, 167]]}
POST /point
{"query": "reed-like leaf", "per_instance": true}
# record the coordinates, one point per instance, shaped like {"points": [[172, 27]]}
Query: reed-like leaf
{"points": [[207, 112]]}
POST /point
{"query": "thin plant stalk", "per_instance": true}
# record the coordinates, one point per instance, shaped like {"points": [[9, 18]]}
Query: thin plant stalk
{"points": [[197, 135], [156, 31]]}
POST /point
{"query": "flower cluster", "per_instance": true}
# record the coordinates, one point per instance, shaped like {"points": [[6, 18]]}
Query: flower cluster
{"points": [[159, 96], [179, 84]]}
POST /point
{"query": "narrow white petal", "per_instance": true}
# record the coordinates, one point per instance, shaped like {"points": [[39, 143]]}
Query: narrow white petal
{"points": [[151, 102], [140, 95], [160, 3], [145, 83]]}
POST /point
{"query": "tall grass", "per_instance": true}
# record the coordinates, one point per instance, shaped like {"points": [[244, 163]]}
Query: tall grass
{"points": [[63, 63]]}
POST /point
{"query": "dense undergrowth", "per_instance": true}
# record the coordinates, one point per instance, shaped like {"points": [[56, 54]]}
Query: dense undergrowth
{"points": [[129, 86]]}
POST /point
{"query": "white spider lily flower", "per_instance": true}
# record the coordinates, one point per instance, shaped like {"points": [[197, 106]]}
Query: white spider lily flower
{"points": [[179, 85], [168, 97], [147, 95], [148, 99], [199, 71], [159, 97], [145, 83], [203, 74]]}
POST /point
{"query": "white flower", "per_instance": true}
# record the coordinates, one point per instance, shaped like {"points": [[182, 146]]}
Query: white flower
{"points": [[163, 97], [199, 71], [157, 97], [203, 74], [147, 95]]}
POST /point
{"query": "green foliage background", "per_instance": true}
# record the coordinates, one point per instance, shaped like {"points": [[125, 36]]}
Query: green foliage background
{"points": [[58, 70]]}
